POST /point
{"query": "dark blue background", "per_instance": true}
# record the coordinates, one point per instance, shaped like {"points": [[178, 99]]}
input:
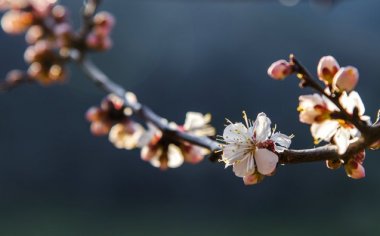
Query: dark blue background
{"points": [[179, 56]]}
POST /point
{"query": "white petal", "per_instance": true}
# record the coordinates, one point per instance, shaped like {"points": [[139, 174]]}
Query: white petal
{"points": [[235, 133], [262, 128], [342, 140], [147, 136], [325, 130], [266, 161], [244, 167], [195, 120], [281, 139], [357, 101], [175, 156], [233, 153]]}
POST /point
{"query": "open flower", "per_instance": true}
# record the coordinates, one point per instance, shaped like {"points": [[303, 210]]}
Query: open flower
{"points": [[126, 135], [340, 131], [164, 153], [251, 148]]}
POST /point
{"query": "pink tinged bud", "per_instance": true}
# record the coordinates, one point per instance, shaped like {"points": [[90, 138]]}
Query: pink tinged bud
{"points": [[14, 76], [16, 22], [354, 170], [253, 179], [327, 68], [93, 114], [99, 128], [104, 23], [59, 13], [192, 154], [346, 79], [34, 34], [280, 69]]}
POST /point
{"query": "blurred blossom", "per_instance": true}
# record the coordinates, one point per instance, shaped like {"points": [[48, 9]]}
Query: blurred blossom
{"points": [[110, 113], [164, 153]]}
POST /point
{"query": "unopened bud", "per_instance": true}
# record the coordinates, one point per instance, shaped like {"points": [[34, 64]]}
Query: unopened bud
{"points": [[14, 76], [104, 22], [34, 34], [279, 70], [327, 68], [253, 179], [346, 79], [16, 22], [354, 170]]}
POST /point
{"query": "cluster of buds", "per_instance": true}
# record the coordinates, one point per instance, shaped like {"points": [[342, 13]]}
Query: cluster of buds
{"points": [[252, 148], [50, 36], [112, 118], [47, 32], [330, 114], [353, 166], [163, 152], [99, 37]]}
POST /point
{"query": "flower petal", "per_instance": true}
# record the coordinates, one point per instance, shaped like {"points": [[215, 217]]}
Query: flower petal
{"points": [[266, 161], [262, 128], [325, 130], [175, 158], [244, 167], [281, 139], [342, 140], [235, 133], [232, 153]]}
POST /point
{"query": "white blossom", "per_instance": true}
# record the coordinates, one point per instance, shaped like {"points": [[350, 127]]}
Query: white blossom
{"points": [[251, 148]]}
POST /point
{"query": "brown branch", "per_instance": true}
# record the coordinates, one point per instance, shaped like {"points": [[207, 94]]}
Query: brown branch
{"points": [[327, 152]]}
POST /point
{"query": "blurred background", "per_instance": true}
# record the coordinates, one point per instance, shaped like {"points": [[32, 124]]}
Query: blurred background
{"points": [[178, 56]]}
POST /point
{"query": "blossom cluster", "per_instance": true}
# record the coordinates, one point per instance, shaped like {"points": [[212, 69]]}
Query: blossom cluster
{"points": [[113, 118], [252, 148], [331, 114], [50, 36]]}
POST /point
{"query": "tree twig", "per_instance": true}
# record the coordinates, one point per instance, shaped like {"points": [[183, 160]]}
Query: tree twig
{"points": [[327, 152]]}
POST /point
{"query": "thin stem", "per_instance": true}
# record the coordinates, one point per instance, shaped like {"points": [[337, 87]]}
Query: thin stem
{"points": [[327, 152]]}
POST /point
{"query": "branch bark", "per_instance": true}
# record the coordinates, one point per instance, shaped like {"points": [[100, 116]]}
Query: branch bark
{"points": [[327, 152]]}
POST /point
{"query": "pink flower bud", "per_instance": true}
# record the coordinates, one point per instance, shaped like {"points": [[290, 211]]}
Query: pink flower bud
{"points": [[16, 22], [99, 128], [280, 69], [34, 34], [253, 179], [346, 79], [104, 23], [354, 170], [192, 154], [59, 13], [327, 68], [15, 76]]}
